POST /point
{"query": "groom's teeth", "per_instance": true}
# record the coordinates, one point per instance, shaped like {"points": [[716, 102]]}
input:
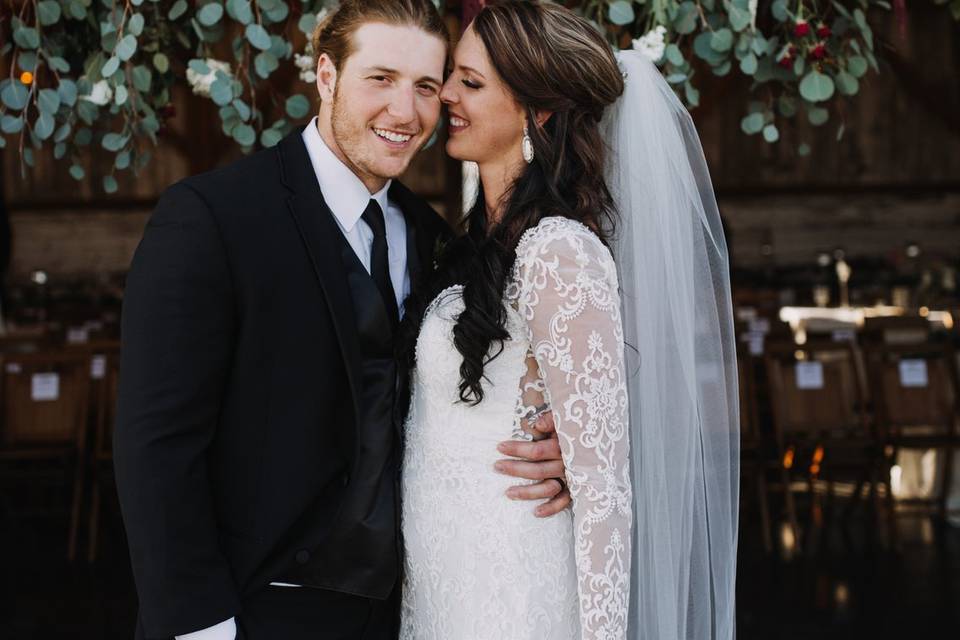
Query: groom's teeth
{"points": [[458, 122], [391, 136]]}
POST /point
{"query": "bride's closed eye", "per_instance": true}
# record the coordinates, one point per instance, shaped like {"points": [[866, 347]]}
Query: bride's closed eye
{"points": [[471, 85]]}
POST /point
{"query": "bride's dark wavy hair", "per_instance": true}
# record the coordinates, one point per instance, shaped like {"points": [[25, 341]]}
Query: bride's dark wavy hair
{"points": [[551, 60]]}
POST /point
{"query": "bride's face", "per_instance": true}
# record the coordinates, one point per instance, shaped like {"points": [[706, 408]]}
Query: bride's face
{"points": [[485, 120]]}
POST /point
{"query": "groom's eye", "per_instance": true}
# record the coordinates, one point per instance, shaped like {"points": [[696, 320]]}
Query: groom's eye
{"points": [[427, 89], [379, 78]]}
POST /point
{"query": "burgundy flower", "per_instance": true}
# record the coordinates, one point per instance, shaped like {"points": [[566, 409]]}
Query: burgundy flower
{"points": [[823, 31], [801, 28], [818, 52]]}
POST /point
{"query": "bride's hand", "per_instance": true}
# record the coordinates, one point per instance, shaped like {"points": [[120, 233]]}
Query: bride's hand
{"points": [[538, 460]]}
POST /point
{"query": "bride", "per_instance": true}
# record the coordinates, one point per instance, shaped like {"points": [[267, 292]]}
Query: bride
{"points": [[592, 282]]}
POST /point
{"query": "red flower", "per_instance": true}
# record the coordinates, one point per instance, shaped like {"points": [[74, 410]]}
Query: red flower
{"points": [[818, 52], [801, 28], [786, 62], [823, 31]]}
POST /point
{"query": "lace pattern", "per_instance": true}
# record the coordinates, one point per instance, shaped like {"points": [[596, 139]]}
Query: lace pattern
{"points": [[478, 565]]}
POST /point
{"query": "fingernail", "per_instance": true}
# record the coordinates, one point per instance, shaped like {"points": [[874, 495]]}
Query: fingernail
{"points": [[511, 494], [502, 448], [498, 466], [538, 512]]}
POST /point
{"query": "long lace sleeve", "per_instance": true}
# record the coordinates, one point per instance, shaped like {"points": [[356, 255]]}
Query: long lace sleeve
{"points": [[565, 287]]}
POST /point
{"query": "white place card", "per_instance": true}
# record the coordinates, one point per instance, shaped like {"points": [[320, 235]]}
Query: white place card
{"points": [[756, 344], [13, 367], [98, 367], [843, 335], [913, 373], [809, 375], [760, 325], [78, 335], [44, 386]]}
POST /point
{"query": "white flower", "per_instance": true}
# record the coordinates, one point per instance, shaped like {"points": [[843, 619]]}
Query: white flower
{"points": [[305, 63], [651, 44], [752, 7], [100, 93], [201, 83]]}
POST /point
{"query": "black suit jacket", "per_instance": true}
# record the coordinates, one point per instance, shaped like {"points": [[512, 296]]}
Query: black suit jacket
{"points": [[238, 393]]}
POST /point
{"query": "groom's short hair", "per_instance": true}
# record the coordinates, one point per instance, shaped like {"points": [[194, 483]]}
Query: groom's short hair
{"points": [[334, 35]]}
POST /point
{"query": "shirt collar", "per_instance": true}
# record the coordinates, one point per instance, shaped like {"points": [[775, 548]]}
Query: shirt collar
{"points": [[342, 190]]}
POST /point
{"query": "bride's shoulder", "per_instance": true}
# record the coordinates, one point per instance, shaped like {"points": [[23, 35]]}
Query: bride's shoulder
{"points": [[557, 236]]}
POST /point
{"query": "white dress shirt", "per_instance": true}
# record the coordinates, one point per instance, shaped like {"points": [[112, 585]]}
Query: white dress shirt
{"points": [[347, 198]]}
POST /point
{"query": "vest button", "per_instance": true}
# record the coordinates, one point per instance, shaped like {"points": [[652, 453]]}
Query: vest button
{"points": [[303, 556]]}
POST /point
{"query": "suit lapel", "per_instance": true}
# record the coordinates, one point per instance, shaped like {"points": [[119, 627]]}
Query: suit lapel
{"points": [[419, 238], [317, 229]]}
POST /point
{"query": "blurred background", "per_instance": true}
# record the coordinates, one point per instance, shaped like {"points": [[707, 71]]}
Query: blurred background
{"points": [[832, 131]]}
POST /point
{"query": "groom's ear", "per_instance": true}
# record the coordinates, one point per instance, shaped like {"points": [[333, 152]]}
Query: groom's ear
{"points": [[326, 77]]}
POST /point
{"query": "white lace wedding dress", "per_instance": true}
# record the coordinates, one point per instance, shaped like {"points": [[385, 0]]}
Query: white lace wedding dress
{"points": [[477, 564]]}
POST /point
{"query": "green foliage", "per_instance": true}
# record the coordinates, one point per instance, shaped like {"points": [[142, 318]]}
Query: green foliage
{"points": [[100, 72]]}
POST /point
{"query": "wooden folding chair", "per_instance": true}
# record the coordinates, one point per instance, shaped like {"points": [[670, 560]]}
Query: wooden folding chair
{"points": [[820, 419], [105, 373], [44, 421], [917, 405], [755, 453]]}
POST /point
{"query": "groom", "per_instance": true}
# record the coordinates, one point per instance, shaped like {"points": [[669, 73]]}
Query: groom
{"points": [[258, 435]]}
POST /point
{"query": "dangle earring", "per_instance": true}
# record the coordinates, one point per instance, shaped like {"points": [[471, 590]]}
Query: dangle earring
{"points": [[527, 144]]}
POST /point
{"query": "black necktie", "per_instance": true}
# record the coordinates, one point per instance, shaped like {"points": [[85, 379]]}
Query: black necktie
{"points": [[379, 261]]}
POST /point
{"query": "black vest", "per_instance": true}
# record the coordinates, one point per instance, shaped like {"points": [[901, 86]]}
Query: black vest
{"points": [[363, 548]]}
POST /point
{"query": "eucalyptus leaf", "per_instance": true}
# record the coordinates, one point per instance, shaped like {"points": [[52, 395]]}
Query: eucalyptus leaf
{"points": [[691, 94], [160, 62], [120, 95], [14, 94], [752, 123], [48, 12], [26, 37], [110, 67], [109, 184], [857, 66], [770, 133], [270, 137], [297, 106], [141, 78], [242, 109], [721, 40], [817, 116], [59, 150], [306, 24], [210, 14], [68, 92], [135, 24], [803, 150], [686, 20], [122, 161], [63, 132], [77, 172], [816, 87], [277, 14], [113, 142], [779, 10], [258, 37], [178, 9], [749, 64], [27, 60], [221, 92], [244, 135], [199, 67], [620, 12], [674, 55], [240, 11], [739, 18], [49, 101], [265, 63], [59, 64], [127, 47], [77, 10], [43, 126], [11, 124], [847, 84]]}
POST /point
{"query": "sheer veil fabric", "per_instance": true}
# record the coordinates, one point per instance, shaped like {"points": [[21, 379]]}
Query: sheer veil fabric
{"points": [[681, 365]]}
